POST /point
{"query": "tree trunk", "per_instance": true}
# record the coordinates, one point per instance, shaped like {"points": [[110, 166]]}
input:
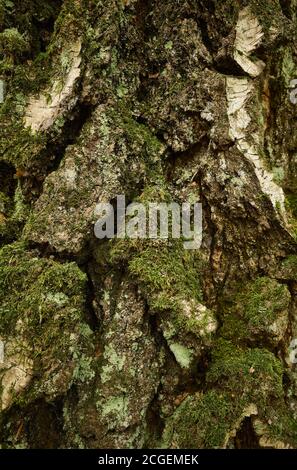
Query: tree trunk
{"points": [[130, 342]]}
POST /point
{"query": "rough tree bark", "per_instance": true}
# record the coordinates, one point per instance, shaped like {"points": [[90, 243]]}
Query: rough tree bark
{"points": [[139, 343]]}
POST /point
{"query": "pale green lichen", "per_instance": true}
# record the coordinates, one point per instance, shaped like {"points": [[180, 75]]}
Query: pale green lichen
{"points": [[116, 406], [83, 371], [114, 362], [288, 67], [182, 354]]}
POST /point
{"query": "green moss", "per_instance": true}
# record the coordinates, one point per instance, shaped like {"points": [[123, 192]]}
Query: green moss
{"points": [[202, 421], [288, 66], [139, 136], [10, 230], [13, 213], [43, 306], [170, 278], [256, 373], [238, 380], [263, 300], [255, 309], [291, 206], [289, 267], [21, 209], [291, 203], [29, 285], [5, 203], [269, 13], [283, 426], [245, 382], [168, 274], [18, 145], [12, 44]]}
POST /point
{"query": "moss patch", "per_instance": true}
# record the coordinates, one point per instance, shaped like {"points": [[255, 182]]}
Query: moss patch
{"points": [[43, 309], [244, 382], [258, 371], [259, 311], [202, 421]]}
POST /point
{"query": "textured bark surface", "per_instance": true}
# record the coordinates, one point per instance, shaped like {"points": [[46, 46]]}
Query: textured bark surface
{"points": [[140, 343]]}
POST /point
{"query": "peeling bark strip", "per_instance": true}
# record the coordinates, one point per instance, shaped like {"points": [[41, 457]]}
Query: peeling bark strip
{"points": [[139, 343], [238, 93], [249, 35], [42, 112]]}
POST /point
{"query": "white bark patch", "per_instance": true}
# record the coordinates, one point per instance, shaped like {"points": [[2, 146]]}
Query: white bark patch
{"points": [[238, 92], [249, 35], [42, 111], [1, 352], [16, 372], [2, 91]]}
